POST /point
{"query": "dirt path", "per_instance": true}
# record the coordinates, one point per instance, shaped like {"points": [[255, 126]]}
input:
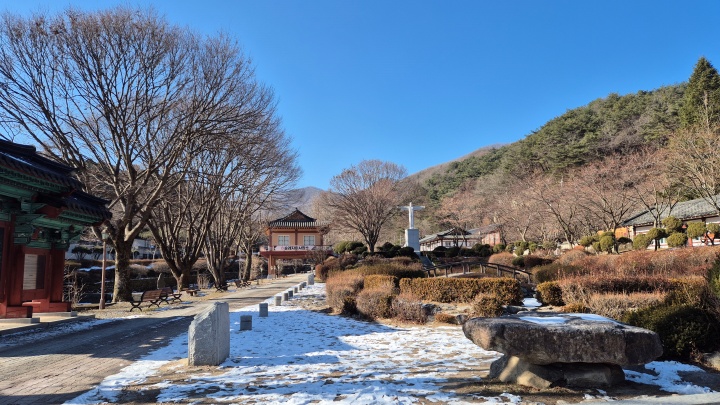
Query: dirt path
{"points": [[59, 368]]}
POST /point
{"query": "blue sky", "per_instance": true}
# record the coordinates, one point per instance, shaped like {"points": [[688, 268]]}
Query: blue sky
{"points": [[420, 83]]}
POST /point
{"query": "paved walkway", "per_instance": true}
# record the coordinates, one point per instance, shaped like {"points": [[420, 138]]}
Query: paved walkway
{"points": [[58, 369]]}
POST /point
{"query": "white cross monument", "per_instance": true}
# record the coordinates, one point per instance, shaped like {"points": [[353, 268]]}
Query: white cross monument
{"points": [[412, 235]]}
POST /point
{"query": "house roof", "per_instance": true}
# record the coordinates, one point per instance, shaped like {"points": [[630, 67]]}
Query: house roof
{"points": [[296, 219], [446, 234], [26, 174], [686, 210], [459, 233]]}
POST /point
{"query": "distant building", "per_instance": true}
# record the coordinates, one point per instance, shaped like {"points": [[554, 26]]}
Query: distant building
{"points": [[293, 236], [42, 211], [486, 235], [686, 211]]}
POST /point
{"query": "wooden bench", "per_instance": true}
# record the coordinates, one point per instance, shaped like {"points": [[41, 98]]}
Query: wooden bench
{"points": [[154, 297], [221, 287], [171, 296], [242, 283], [191, 291]]}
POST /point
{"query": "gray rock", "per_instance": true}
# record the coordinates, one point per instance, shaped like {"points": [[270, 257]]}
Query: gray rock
{"points": [[245, 322], [513, 369], [209, 336], [573, 341]]}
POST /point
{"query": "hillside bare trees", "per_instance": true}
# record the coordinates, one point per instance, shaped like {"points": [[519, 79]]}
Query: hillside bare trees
{"points": [[365, 196], [125, 97]]}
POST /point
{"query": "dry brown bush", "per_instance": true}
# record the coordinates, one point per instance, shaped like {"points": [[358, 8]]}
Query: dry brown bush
{"points": [[579, 289], [341, 290], [487, 305], [570, 256], [442, 317], [409, 308], [375, 302], [504, 258], [615, 306]]}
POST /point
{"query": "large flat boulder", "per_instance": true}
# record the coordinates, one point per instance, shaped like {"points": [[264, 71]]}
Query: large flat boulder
{"points": [[566, 338]]}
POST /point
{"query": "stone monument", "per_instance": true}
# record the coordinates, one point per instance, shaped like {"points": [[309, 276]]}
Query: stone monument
{"points": [[412, 235]]}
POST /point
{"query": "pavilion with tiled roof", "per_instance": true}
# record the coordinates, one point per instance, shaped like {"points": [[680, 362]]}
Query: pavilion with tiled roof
{"points": [[42, 210]]}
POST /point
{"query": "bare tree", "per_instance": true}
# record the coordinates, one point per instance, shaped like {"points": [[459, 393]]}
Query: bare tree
{"points": [[655, 191], [366, 196], [694, 158], [123, 96], [605, 191], [260, 170]]}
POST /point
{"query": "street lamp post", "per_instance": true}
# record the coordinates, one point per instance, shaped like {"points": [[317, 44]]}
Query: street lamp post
{"points": [[102, 276]]}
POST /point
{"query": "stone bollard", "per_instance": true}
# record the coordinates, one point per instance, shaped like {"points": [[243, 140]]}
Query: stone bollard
{"points": [[263, 309], [300, 287], [209, 336], [303, 284], [295, 290], [245, 322], [285, 296], [311, 279], [290, 294], [278, 300]]}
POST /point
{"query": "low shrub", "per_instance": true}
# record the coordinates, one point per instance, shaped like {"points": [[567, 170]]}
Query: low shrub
{"points": [[615, 306], [504, 258], [341, 290], [641, 242], [483, 250], [440, 251], [518, 261], [569, 257], [487, 305], [576, 308], [499, 248], [535, 261], [375, 303], [374, 281], [692, 290], [550, 293], [392, 267], [442, 317], [452, 251], [321, 272], [554, 271], [684, 330], [579, 289], [462, 289], [409, 308]]}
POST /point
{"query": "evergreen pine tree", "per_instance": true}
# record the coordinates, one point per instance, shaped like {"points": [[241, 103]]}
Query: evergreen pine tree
{"points": [[701, 103]]}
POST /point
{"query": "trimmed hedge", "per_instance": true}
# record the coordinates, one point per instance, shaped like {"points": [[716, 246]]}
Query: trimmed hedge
{"points": [[487, 305], [462, 289], [375, 303], [389, 268], [550, 293], [381, 281]]}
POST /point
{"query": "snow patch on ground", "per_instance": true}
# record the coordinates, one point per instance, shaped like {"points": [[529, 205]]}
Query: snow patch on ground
{"points": [[296, 356]]}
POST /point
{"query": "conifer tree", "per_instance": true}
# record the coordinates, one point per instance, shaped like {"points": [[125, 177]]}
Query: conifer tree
{"points": [[701, 103]]}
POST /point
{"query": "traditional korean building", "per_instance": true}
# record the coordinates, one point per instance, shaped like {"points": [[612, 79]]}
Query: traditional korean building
{"points": [[42, 210], [294, 236], [486, 235]]}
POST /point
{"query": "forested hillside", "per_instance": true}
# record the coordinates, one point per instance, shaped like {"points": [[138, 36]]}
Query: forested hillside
{"points": [[590, 168], [611, 125]]}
